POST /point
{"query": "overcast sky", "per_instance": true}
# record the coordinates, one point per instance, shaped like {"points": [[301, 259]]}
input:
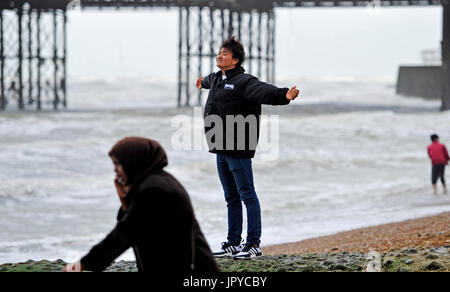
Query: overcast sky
{"points": [[310, 42]]}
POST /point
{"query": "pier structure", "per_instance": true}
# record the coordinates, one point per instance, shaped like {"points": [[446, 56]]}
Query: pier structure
{"points": [[33, 42]]}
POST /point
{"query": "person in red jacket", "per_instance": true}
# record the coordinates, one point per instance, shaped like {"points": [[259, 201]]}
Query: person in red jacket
{"points": [[439, 159]]}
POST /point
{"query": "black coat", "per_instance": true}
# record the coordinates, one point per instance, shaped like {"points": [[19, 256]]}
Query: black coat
{"points": [[239, 94], [160, 225]]}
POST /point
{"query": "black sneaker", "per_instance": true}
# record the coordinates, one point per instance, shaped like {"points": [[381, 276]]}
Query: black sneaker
{"points": [[248, 251], [227, 249]]}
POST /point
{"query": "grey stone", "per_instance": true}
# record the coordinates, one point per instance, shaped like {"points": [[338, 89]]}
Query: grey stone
{"points": [[440, 250], [306, 269], [358, 268], [433, 266], [431, 257], [388, 263], [409, 250], [409, 261], [338, 267]]}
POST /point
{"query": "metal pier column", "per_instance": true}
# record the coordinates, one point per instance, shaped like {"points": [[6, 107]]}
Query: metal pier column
{"points": [[446, 56]]}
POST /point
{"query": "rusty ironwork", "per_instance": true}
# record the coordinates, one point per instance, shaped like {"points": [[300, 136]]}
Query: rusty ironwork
{"points": [[33, 42], [33, 54]]}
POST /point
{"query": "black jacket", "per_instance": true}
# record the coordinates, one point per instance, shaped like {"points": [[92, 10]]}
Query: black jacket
{"points": [[239, 94], [160, 225]]}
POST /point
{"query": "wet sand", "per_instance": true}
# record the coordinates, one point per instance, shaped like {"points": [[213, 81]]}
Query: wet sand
{"points": [[419, 233]]}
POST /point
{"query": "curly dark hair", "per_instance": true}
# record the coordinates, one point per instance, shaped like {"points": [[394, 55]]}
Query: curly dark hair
{"points": [[237, 48]]}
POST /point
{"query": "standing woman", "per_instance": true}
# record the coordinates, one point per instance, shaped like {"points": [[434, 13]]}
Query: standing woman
{"points": [[156, 218]]}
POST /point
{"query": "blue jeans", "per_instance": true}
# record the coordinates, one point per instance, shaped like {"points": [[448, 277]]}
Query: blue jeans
{"points": [[236, 176]]}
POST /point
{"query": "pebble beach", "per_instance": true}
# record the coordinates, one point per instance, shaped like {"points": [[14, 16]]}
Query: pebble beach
{"points": [[418, 245], [424, 232]]}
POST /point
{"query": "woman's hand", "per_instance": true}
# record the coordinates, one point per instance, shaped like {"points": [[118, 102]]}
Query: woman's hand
{"points": [[75, 267], [199, 83], [122, 192]]}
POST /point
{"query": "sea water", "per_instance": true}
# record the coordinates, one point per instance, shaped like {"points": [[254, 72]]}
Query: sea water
{"points": [[352, 154]]}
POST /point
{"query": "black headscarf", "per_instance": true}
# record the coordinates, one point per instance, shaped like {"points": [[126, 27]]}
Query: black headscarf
{"points": [[139, 157]]}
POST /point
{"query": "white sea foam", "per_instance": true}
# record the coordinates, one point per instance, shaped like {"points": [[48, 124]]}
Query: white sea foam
{"points": [[352, 154]]}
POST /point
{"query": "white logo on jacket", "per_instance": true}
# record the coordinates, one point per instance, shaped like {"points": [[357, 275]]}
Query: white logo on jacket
{"points": [[229, 86]]}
